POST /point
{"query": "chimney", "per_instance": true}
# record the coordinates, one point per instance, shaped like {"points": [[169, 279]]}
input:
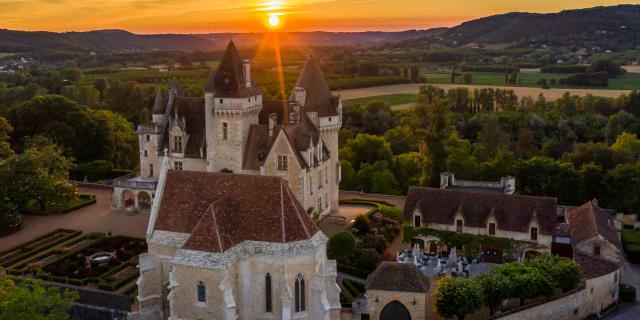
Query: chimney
{"points": [[273, 119], [294, 112], [247, 72]]}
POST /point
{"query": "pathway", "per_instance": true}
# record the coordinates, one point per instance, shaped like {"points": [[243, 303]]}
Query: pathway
{"points": [[94, 218], [413, 88], [630, 274], [349, 212]]}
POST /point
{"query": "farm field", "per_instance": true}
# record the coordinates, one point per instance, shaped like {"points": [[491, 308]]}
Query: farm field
{"points": [[413, 88], [628, 81]]}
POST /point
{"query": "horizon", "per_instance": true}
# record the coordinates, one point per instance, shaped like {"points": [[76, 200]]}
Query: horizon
{"points": [[251, 16]]}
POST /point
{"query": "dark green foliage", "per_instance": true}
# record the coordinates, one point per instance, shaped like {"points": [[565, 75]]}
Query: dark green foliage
{"points": [[563, 273], [607, 66], [496, 288], [458, 297], [564, 68], [341, 245]]}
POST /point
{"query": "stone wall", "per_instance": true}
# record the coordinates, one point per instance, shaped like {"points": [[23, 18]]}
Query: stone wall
{"points": [[418, 311]]}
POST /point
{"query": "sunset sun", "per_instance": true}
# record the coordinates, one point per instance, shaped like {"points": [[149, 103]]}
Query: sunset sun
{"points": [[274, 21]]}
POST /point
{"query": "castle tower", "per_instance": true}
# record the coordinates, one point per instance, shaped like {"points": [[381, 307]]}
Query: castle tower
{"points": [[232, 104], [313, 97], [149, 136]]}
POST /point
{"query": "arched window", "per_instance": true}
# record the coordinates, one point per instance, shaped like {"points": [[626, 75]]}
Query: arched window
{"points": [[202, 292], [267, 288], [300, 294]]}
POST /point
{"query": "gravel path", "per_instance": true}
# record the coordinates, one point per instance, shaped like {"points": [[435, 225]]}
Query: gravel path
{"points": [[94, 218]]}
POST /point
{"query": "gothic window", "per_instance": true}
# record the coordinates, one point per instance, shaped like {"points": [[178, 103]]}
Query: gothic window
{"points": [[177, 165], [492, 228], [267, 288], [534, 234], [300, 294], [202, 292], [458, 225], [283, 163], [225, 131]]}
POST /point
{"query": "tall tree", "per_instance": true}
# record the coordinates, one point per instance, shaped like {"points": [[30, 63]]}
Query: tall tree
{"points": [[31, 300], [432, 125], [490, 139]]}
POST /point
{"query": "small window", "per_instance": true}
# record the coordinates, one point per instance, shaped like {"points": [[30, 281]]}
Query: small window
{"points": [[145, 153], [299, 294], [615, 277], [416, 221], [202, 292], [268, 300], [283, 163], [534, 234], [596, 250], [249, 100], [310, 184], [177, 165], [177, 144], [148, 138], [225, 131], [320, 180], [151, 170], [458, 225], [492, 229], [221, 101]]}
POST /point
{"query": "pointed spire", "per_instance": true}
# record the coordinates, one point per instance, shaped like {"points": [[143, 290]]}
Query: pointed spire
{"points": [[318, 95], [229, 80], [158, 104]]}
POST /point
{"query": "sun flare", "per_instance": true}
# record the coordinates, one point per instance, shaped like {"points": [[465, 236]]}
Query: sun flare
{"points": [[274, 21]]}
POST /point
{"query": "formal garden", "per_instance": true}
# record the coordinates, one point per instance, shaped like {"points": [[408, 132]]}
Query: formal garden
{"points": [[66, 256], [363, 244]]}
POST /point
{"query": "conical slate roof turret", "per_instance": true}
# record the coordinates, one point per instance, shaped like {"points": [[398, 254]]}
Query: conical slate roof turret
{"points": [[230, 81], [159, 105], [319, 98]]}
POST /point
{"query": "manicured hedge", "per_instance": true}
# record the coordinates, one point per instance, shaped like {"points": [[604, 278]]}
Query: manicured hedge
{"points": [[34, 251], [627, 293], [84, 201], [354, 288]]}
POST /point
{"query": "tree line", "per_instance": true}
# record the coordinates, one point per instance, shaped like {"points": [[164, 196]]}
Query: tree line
{"points": [[574, 148]]}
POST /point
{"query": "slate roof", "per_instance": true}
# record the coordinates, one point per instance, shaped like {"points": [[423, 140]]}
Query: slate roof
{"points": [[512, 212], [593, 267], [319, 98], [229, 80], [394, 276], [221, 210], [589, 221], [192, 109], [159, 104]]}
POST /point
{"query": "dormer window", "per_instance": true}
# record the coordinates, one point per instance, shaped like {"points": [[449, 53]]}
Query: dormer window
{"points": [[177, 144], [459, 225], [261, 157], [534, 234], [283, 163], [492, 229], [417, 221], [221, 101], [596, 250]]}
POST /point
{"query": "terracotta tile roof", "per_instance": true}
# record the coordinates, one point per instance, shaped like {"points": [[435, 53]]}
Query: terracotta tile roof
{"points": [[512, 212], [589, 221], [393, 276], [229, 81], [593, 267], [319, 98], [222, 210]]}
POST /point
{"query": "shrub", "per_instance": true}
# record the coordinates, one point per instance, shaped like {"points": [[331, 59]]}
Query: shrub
{"points": [[341, 246], [458, 297], [362, 224], [627, 293], [391, 212], [563, 273], [564, 68]]}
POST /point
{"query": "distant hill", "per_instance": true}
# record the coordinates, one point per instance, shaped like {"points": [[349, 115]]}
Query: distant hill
{"points": [[615, 26], [120, 40]]}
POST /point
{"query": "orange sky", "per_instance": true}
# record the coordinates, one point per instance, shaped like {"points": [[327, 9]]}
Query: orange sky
{"points": [[200, 16]]}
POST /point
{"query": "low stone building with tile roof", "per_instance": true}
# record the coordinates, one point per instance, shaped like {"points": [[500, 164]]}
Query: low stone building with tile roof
{"points": [[231, 129], [528, 219], [229, 246], [593, 232]]}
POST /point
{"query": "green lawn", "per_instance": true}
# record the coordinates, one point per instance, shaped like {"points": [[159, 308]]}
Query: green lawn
{"points": [[73, 204], [6, 54], [628, 81], [390, 99]]}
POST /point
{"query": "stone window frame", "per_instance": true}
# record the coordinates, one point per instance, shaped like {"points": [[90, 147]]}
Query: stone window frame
{"points": [[268, 287], [283, 162], [225, 130], [200, 286], [177, 165], [300, 294], [492, 231], [177, 144]]}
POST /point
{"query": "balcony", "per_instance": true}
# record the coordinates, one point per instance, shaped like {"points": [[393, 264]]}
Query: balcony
{"points": [[134, 181]]}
